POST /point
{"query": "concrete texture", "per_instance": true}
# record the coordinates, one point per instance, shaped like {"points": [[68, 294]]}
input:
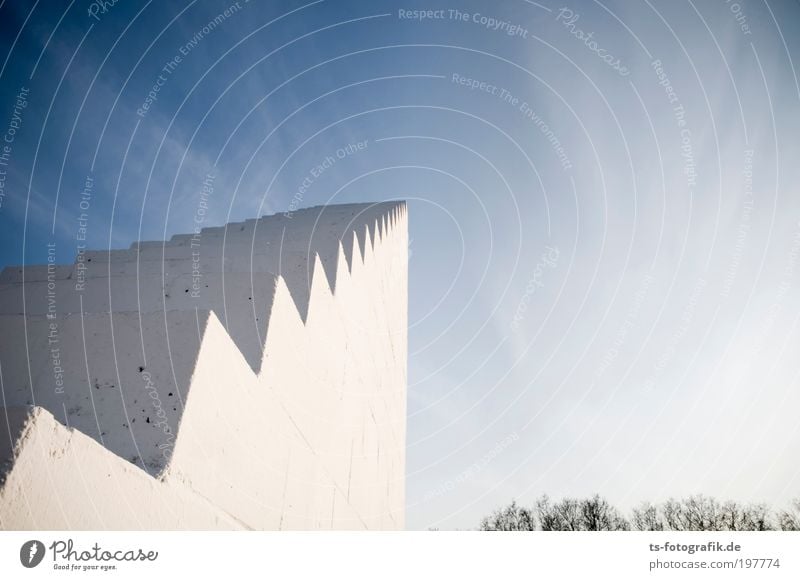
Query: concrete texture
{"points": [[251, 376]]}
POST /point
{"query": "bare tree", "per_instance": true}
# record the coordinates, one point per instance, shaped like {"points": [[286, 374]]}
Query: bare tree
{"points": [[561, 516], [570, 514], [646, 518], [547, 516], [751, 517], [789, 519], [510, 519], [599, 515], [694, 513], [672, 509]]}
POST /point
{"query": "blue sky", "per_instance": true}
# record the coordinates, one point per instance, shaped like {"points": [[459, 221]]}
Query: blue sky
{"points": [[603, 198]]}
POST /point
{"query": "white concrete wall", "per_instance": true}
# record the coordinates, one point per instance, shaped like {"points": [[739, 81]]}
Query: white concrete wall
{"points": [[58, 478], [277, 394]]}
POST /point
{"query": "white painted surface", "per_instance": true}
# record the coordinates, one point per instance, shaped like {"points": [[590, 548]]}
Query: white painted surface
{"points": [[62, 479], [284, 376]]}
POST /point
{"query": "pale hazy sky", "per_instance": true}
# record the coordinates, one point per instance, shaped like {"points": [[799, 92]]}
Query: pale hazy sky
{"points": [[604, 210]]}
